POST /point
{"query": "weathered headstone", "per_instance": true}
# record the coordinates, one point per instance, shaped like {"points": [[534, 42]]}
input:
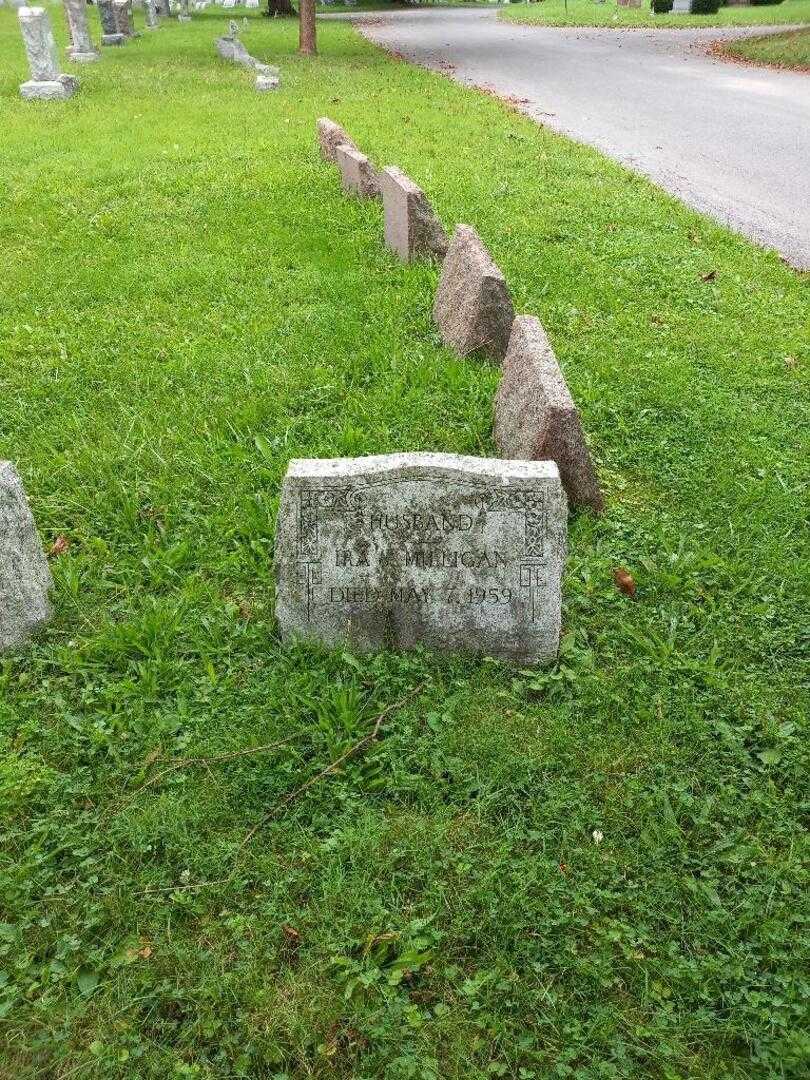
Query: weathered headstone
{"points": [[357, 174], [46, 81], [111, 35], [150, 13], [24, 575], [473, 307], [412, 228], [455, 553], [267, 82], [124, 19], [185, 14], [231, 48], [330, 137], [535, 415], [81, 49]]}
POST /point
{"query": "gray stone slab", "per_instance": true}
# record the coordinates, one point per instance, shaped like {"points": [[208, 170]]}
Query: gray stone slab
{"points": [[51, 90], [124, 19], [358, 176], [412, 229], [24, 574], [473, 307], [267, 82], [535, 415], [39, 43], [458, 554], [81, 49], [330, 137]]}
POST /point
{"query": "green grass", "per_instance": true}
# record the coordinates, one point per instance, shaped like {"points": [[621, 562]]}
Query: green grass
{"points": [[188, 302], [790, 49], [588, 13]]}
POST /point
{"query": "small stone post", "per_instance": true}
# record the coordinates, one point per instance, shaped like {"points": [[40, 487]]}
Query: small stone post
{"points": [[81, 49], [46, 82]]}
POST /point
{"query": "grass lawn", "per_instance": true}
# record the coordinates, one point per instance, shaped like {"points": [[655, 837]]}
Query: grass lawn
{"points": [[588, 13], [188, 302], [790, 49]]}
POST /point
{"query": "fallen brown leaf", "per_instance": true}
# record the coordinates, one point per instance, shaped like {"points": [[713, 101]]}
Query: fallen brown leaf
{"points": [[624, 581], [291, 936], [59, 547], [712, 274]]}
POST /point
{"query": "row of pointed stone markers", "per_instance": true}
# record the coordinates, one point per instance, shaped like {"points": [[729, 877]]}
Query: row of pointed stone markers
{"points": [[457, 553], [47, 82], [535, 417]]}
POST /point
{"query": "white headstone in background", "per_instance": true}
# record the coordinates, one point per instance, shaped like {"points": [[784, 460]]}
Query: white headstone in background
{"points": [[46, 81], [81, 49], [459, 554]]}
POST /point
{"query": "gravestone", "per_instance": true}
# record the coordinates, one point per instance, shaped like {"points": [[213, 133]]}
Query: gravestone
{"points": [[24, 575], [46, 82], [267, 82], [81, 49], [358, 176], [124, 20], [185, 14], [150, 12], [535, 415], [110, 35], [473, 309], [458, 554], [231, 48], [330, 137], [412, 228]]}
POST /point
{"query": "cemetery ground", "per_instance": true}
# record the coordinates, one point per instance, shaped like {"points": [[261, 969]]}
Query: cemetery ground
{"points": [[790, 49], [588, 13], [587, 870]]}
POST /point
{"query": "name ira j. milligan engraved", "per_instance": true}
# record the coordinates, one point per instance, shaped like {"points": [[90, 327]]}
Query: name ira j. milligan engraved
{"points": [[458, 554]]}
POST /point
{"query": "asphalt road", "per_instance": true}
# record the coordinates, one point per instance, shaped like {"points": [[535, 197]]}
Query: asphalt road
{"points": [[730, 140]]}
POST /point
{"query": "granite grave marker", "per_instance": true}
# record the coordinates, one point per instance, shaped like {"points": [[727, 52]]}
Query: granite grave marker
{"points": [[330, 137], [46, 82], [412, 228], [81, 49], [535, 415], [24, 574], [358, 176], [459, 554], [473, 308]]}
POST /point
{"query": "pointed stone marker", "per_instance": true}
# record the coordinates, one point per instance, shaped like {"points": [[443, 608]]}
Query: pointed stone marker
{"points": [[459, 554], [473, 308], [535, 415], [358, 175], [24, 574], [412, 229], [81, 49], [330, 137], [46, 82]]}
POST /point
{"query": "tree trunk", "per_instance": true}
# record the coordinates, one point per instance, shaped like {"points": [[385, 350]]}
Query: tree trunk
{"points": [[280, 7], [306, 28]]}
